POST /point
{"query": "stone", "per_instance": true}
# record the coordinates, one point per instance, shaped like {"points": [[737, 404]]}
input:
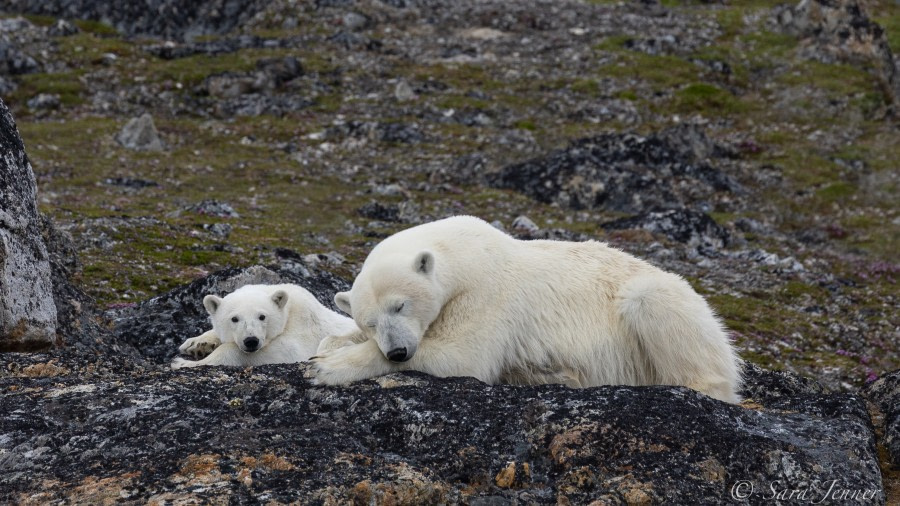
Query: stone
{"points": [[885, 393], [688, 226], [27, 309], [62, 28], [140, 134], [621, 172], [266, 434], [44, 101]]}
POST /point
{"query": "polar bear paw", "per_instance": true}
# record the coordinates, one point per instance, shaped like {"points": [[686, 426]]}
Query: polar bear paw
{"points": [[180, 363], [200, 346]]}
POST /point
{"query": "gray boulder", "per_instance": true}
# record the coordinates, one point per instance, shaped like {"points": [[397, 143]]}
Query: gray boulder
{"points": [[140, 134], [885, 393], [27, 309]]}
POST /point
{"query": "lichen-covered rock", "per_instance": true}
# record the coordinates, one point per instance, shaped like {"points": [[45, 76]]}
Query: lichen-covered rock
{"points": [[140, 134], [841, 30], [27, 311], [692, 227], [619, 172], [885, 392], [266, 434], [157, 327]]}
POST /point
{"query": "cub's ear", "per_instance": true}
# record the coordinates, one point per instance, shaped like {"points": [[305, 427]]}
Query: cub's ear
{"points": [[212, 303], [280, 298], [424, 263], [342, 299]]}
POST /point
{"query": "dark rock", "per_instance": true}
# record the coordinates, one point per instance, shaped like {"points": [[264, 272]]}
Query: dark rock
{"points": [[266, 434], [379, 211], [683, 225], [214, 208], [27, 312], [158, 326], [130, 182], [218, 230], [170, 19], [386, 132], [620, 172], [140, 134], [885, 393]]}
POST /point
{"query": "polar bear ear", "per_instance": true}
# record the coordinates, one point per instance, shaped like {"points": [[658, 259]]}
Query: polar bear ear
{"points": [[280, 298], [212, 303], [342, 299], [424, 263]]}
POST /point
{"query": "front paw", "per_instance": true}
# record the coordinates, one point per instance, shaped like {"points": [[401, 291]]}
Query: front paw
{"points": [[198, 347], [180, 363]]}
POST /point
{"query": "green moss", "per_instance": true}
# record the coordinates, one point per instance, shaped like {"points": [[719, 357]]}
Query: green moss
{"points": [[613, 43], [96, 27], [525, 124], [627, 95], [706, 98], [39, 20], [67, 85], [836, 191], [588, 87]]}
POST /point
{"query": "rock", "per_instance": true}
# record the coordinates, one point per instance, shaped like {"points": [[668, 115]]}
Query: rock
{"points": [[841, 30], [171, 50], [44, 101], [14, 62], [156, 327], [403, 92], [218, 230], [212, 207], [688, 226], [620, 172], [524, 225], [885, 393], [265, 434], [355, 21], [27, 310], [62, 28], [140, 134]]}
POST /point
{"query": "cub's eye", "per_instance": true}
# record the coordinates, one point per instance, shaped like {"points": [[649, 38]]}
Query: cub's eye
{"points": [[262, 317], [399, 308], [371, 325], [234, 319]]}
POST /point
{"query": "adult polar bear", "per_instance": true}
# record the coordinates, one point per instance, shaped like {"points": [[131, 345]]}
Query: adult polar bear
{"points": [[263, 324], [457, 297]]}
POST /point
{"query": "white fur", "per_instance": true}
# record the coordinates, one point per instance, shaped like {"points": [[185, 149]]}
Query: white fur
{"points": [[465, 299], [294, 325]]}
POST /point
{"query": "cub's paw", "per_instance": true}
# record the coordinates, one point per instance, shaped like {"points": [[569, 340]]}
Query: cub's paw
{"points": [[199, 347]]}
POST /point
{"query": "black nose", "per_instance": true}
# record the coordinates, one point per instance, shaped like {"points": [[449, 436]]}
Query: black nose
{"points": [[397, 355], [251, 343]]}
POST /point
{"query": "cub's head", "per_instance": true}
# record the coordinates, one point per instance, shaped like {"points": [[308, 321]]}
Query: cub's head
{"points": [[393, 301], [250, 316]]}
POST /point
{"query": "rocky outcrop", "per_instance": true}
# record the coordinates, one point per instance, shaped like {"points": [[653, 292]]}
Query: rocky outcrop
{"points": [[27, 310], [683, 225], [266, 434], [621, 172], [841, 30], [140, 134], [172, 19], [885, 393]]}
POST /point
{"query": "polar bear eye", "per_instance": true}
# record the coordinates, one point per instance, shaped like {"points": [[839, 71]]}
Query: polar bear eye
{"points": [[399, 308], [234, 319], [262, 317]]}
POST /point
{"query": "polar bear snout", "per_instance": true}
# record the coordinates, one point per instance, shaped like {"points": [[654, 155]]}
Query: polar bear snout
{"points": [[251, 343], [398, 355]]}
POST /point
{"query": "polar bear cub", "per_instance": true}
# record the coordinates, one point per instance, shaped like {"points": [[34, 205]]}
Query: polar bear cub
{"points": [[457, 297], [263, 324]]}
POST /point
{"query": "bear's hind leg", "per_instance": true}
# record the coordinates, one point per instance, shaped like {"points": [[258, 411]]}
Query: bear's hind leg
{"points": [[684, 341]]}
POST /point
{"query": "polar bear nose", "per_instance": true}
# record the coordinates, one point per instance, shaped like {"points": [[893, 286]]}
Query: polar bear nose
{"points": [[251, 343], [397, 355]]}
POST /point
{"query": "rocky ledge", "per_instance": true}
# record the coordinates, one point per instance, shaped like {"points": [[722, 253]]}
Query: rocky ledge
{"points": [[267, 435]]}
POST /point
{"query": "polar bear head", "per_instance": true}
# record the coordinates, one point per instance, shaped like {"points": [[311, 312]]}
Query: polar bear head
{"points": [[250, 317], [394, 300]]}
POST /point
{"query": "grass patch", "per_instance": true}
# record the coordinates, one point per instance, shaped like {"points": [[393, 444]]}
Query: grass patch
{"points": [[707, 99], [67, 85]]}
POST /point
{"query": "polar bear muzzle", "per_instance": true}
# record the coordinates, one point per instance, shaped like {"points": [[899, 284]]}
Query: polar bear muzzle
{"points": [[398, 355]]}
